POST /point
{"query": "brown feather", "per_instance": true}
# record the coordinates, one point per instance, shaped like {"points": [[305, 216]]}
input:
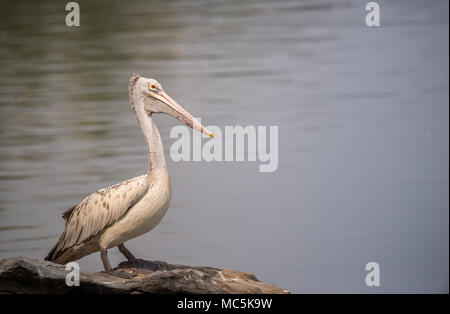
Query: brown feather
{"points": [[97, 212]]}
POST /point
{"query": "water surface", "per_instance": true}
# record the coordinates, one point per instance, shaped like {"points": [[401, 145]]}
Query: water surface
{"points": [[363, 133]]}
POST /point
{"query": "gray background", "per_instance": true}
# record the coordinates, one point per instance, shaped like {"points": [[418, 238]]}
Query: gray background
{"points": [[363, 133]]}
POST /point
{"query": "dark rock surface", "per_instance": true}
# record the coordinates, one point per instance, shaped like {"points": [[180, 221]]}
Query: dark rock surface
{"points": [[24, 275]]}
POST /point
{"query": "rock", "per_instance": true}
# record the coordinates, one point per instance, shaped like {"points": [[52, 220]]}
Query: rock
{"points": [[25, 275]]}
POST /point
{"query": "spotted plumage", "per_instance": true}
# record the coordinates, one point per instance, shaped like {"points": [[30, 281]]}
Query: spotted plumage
{"points": [[97, 212]]}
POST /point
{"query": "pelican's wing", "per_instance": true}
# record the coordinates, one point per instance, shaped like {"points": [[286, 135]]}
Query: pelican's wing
{"points": [[98, 211]]}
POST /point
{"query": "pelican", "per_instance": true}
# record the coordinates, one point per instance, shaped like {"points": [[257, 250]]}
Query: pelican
{"points": [[116, 214]]}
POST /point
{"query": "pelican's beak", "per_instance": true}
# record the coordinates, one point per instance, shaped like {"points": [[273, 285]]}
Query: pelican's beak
{"points": [[180, 113]]}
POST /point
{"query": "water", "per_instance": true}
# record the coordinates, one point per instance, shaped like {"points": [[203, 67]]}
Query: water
{"points": [[363, 133]]}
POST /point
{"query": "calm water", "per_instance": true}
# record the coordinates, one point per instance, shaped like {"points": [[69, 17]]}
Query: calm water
{"points": [[363, 122]]}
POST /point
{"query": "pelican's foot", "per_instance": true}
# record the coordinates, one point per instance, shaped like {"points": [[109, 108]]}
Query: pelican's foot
{"points": [[121, 274], [140, 266]]}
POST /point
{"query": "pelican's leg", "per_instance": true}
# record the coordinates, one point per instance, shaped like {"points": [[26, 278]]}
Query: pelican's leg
{"points": [[108, 269], [130, 257], [136, 262]]}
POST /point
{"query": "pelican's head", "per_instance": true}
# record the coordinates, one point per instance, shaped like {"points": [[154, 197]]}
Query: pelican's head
{"points": [[155, 100]]}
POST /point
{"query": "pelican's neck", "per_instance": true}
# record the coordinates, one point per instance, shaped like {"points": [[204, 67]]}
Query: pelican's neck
{"points": [[156, 160]]}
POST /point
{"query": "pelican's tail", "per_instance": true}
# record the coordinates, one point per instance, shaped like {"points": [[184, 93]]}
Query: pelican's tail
{"points": [[61, 255], [56, 251]]}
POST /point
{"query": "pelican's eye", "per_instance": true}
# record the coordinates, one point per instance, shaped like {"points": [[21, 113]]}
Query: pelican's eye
{"points": [[153, 87]]}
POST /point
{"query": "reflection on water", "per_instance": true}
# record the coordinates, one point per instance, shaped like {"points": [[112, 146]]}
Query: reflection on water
{"points": [[363, 148]]}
